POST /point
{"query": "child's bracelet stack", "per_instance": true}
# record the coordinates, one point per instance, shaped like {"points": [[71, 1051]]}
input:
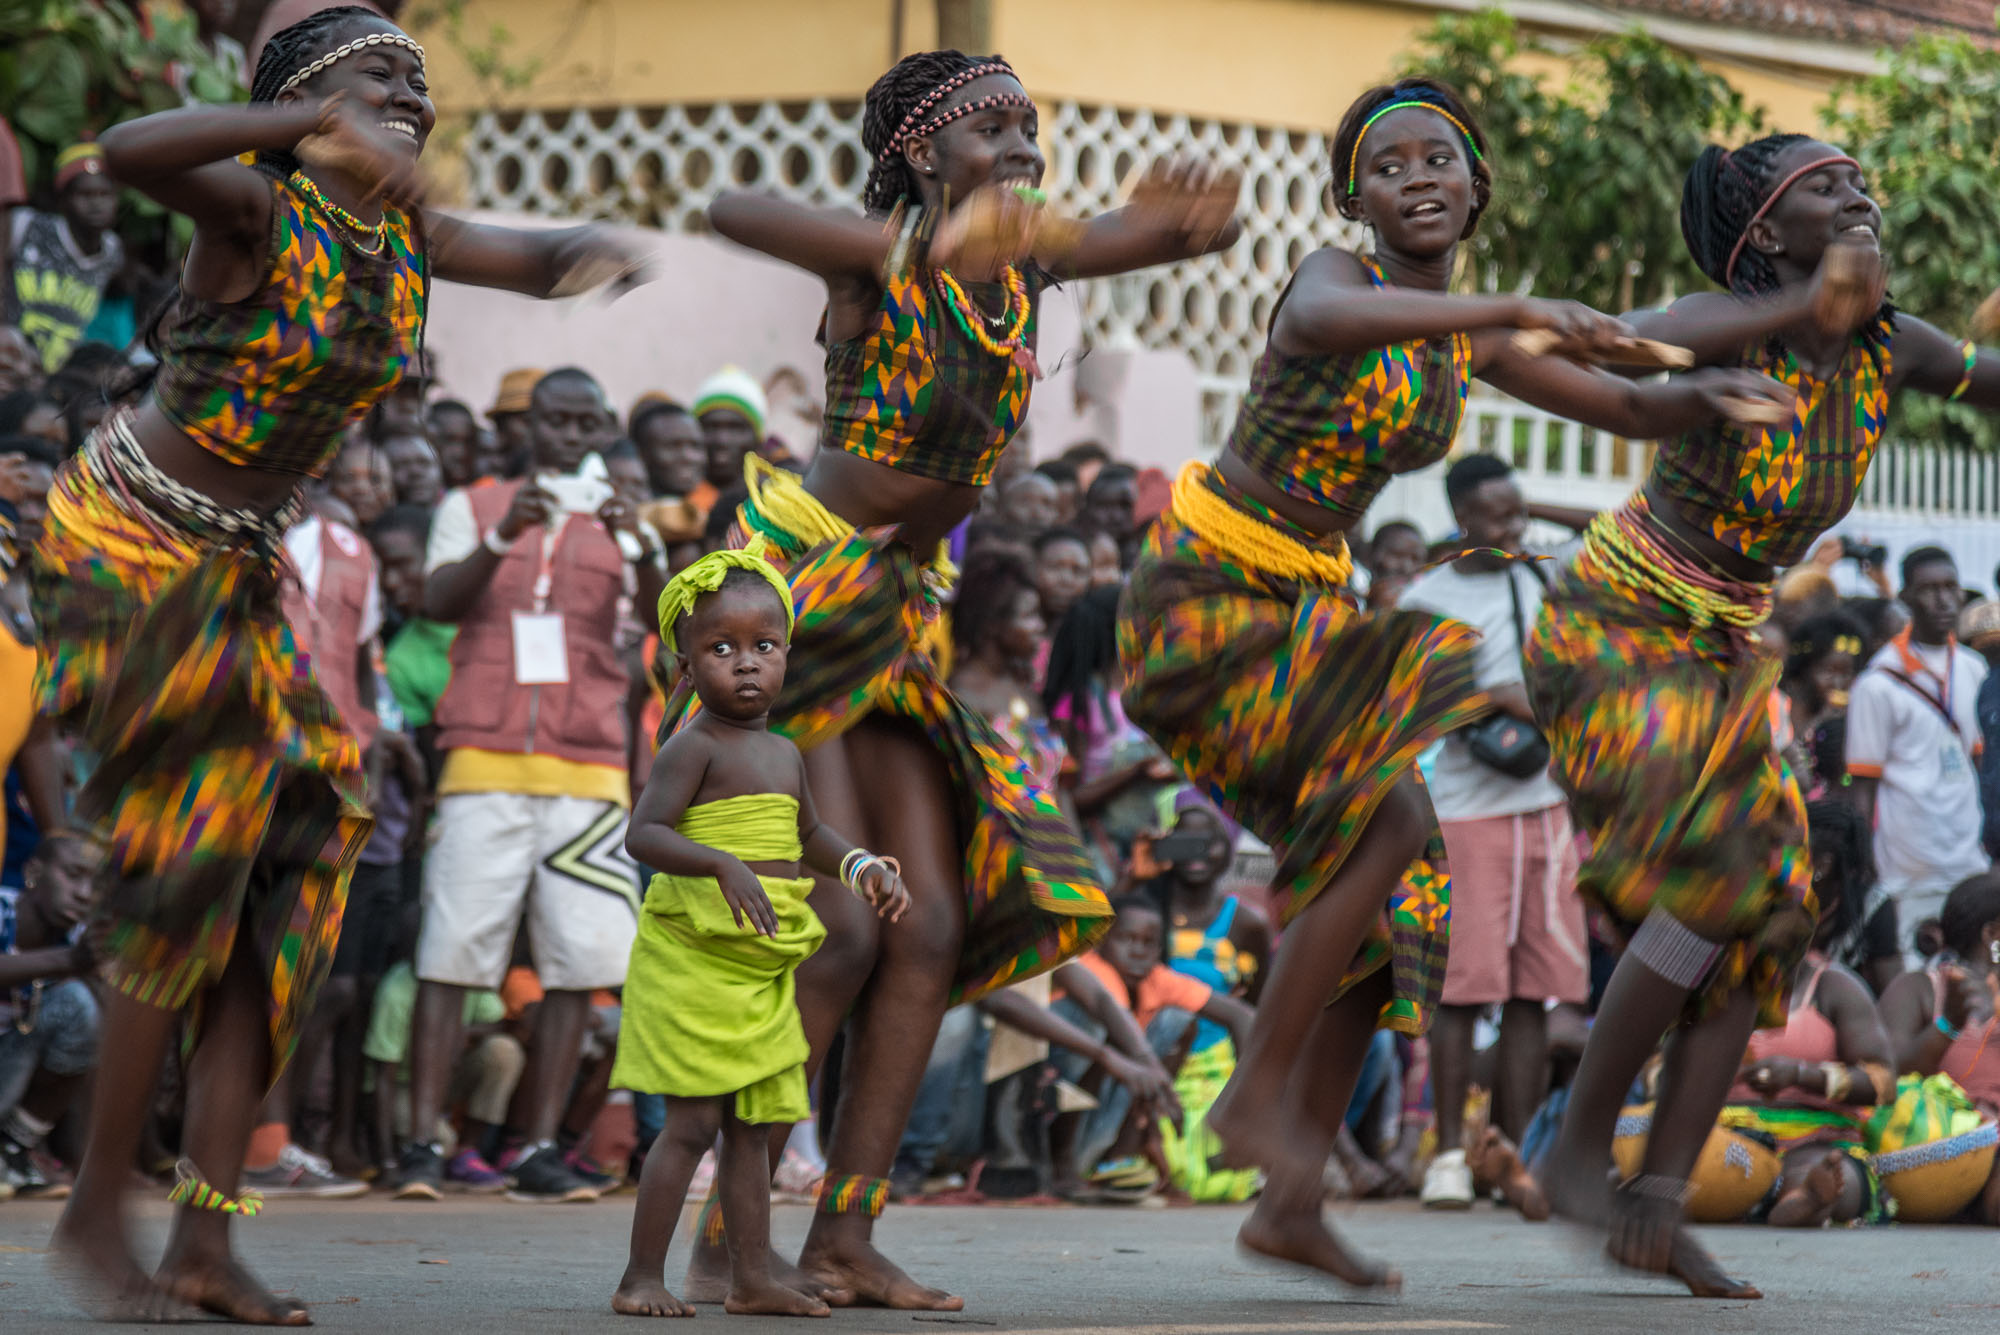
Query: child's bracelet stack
{"points": [[857, 861]]}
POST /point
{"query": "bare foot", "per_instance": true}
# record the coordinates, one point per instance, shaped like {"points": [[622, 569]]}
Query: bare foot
{"points": [[770, 1298], [1301, 1237], [1248, 1139], [94, 1265], [642, 1295], [851, 1273], [1691, 1264], [708, 1277], [1812, 1202], [1500, 1164], [221, 1285], [1578, 1193]]}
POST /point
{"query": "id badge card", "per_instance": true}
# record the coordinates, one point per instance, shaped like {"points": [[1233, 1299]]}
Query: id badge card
{"points": [[541, 655]]}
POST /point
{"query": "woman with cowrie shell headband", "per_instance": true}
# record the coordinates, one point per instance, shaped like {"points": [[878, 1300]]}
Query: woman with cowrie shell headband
{"points": [[229, 795]]}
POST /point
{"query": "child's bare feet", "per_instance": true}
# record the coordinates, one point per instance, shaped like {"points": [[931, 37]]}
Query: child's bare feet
{"points": [[645, 1295], [707, 1279], [1299, 1236], [767, 1297]]}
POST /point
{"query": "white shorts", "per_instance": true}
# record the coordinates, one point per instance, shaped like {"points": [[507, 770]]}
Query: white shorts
{"points": [[562, 860]]}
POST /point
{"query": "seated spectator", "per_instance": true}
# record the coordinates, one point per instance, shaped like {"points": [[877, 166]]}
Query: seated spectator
{"points": [[1942, 1018], [415, 476], [48, 1014], [1863, 938], [1826, 653], [1219, 940], [57, 265], [1118, 772], [482, 1082], [997, 635], [1164, 1004]]}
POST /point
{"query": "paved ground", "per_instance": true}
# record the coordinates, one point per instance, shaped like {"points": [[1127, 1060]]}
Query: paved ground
{"points": [[486, 1267]]}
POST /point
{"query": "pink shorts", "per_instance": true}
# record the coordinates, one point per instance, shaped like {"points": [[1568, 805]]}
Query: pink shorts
{"points": [[1517, 928]]}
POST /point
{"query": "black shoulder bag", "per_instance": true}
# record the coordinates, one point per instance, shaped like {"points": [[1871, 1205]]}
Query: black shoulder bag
{"points": [[1500, 741]]}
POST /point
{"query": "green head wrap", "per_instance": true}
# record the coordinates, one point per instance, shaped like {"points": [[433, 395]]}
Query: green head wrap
{"points": [[706, 576]]}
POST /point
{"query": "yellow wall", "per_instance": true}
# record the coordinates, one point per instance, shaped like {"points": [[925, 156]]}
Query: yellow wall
{"points": [[1293, 63]]}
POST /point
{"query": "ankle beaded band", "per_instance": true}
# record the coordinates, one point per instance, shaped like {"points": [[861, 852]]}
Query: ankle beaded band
{"points": [[854, 1194]]}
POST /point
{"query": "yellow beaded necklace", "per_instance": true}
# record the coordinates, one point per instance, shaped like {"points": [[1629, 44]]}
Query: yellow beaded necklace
{"points": [[1016, 316], [377, 231]]}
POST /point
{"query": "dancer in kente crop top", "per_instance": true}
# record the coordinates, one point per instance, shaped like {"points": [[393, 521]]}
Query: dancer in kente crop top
{"points": [[1300, 715], [928, 376], [226, 789], [1648, 677]]}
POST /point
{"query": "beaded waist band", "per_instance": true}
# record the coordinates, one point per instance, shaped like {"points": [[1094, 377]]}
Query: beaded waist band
{"points": [[163, 502], [1259, 541], [1631, 547]]}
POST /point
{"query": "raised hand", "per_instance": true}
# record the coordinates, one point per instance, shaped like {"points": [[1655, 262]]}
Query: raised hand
{"points": [[1572, 329], [1849, 287], [347, 140], [1186, 196], [994, 227]]}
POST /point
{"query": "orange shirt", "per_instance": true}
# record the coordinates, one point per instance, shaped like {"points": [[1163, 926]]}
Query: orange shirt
{"points": [[1156, 991]]}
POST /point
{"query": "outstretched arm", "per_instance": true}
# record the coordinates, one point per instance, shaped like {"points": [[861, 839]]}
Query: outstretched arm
{"points": [[1177, 210], [1845, 292], [559, 262], [833, 243], [1933, 362], [1643, 411]]}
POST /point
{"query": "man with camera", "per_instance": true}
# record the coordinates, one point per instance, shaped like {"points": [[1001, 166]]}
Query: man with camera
{"points": [[534, 794], [1517, 931]]}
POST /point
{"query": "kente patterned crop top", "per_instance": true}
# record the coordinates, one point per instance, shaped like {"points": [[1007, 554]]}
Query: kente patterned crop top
{"points": [[1770, 492], [271, 381], [1334, 430], [915, 393]]}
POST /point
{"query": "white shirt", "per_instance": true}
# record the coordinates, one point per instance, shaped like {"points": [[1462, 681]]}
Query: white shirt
{"points": [[302, 543], [1927, 813], [1462, 788]]}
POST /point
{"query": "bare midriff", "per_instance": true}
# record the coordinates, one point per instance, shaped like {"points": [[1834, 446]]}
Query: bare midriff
{"points": [[872, 495], [1696, 539], [1315, 519], [235, 486]]}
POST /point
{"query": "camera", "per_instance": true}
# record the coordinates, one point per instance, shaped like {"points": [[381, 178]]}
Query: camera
{"points": [[583, 492], [1866, 554]]}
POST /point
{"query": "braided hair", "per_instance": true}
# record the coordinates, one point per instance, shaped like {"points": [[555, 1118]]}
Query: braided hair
{"points": [[1835, 828], [1967, 909], [1084, 653], [289, 51], [1430, 92], [890, 100]]}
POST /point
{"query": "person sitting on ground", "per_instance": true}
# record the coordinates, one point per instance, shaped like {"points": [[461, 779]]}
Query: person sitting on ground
{"points": [[482, 1080], [1810, 1085], [1942, 1019], [1131, 964], [1221, 941], [48, 1014], [726, 820], [1119, 774]]}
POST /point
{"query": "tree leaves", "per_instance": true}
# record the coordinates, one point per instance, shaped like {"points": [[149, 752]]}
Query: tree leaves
{"points": [[1586, 195]]}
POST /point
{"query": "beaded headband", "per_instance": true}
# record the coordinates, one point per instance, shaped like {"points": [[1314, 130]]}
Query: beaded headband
{"points": [[347, 49], [1354, 158], [914, 123], [1736, 252]]}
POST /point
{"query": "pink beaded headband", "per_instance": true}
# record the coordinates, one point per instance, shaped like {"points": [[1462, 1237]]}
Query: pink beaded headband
{"points": [[1736, 252], [914, 123]]}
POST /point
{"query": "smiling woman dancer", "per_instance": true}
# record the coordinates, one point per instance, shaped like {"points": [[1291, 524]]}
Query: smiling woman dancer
{"points": [[928, 377], [1300, 715], [1647, 674], [226, 788]]}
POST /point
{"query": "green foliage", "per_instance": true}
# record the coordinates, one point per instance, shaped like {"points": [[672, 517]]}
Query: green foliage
{"points": [[489, 54], [70, 67], [1927, 129], [1587, 177]]}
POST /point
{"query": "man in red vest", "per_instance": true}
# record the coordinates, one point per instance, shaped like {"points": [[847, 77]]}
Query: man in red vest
{"points": [[534, 793]]}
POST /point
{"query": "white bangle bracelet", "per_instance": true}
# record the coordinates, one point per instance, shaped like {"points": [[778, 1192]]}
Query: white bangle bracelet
{"points": [[494, 543]]}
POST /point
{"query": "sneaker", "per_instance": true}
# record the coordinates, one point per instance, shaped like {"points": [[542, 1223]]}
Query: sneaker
{"points": [[542, 1178], [469, 1172], [301, 1176], [18, 1169], [1448, 1182], [419, 1173], [590, 1174]]}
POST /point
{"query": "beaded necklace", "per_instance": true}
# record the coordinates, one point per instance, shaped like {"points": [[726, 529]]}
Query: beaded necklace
{"points": [[1014, 318], [377, 231]]}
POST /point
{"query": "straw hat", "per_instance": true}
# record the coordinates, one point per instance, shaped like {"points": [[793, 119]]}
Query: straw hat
{"points": [[517, 391]]}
